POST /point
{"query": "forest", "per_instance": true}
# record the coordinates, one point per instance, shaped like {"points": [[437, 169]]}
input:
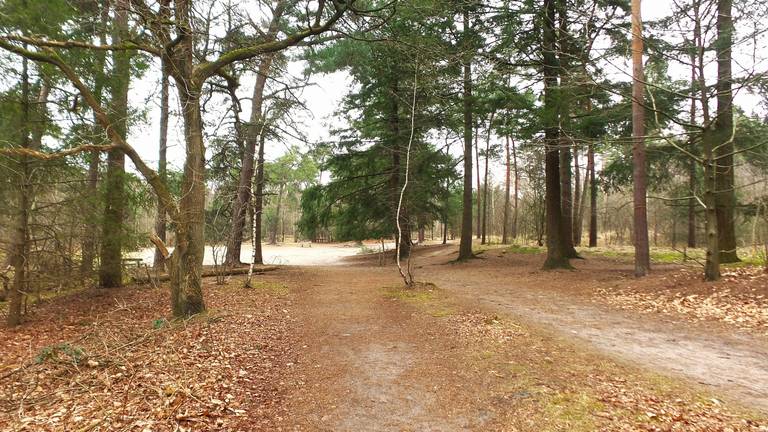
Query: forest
{"points": [[384, 215]]}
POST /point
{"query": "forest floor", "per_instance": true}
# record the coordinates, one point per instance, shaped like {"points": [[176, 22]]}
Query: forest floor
{"points": [[492, 344]]}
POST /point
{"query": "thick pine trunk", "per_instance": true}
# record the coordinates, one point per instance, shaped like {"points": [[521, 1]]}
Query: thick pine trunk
{"points": [[465, 245], [111, 266], [642, 254], [19, 251], [725, 196], [556, 252]]}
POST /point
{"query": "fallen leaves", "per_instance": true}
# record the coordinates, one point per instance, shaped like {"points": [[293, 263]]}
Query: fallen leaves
{"points": [[104, 360], [738, 300]]}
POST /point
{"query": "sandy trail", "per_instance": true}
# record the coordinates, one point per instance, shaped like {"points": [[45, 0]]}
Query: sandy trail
{"points": [[729, 362], [294, 254]]}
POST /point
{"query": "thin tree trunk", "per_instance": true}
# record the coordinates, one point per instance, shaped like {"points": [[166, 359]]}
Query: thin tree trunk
{"points": [[642, 255], [275, 223], [465, 246], [566, 143], [592, 196], [111, 268], [517, 190], [479, 203], [485, 189], [712, 261], [160, 218], [91, 227], [234, 244], [253, 138], [692, 163], [258, 256], [576, 198], [507, 181]]}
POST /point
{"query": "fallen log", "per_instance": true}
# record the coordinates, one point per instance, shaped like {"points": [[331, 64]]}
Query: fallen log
{"points": [[207, 273]]}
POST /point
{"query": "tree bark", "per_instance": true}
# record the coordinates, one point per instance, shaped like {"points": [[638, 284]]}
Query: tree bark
{"points": [[557, 256], [692, 163], [485, 188], [507, 181], [276, 222], [642, 254], [19, 251], [111, 266], [517, 190], [576, 198], [258, 207], [566, 142], [160, 218], [253, 135], [91, 228], [592, 196], [479, 203], [725, 196], [465, 245]]}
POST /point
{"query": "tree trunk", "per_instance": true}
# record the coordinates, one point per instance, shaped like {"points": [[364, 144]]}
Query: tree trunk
{"points": [[576, 198], [275, 223], [253, 135], [485, 188], [712, 263], [187, 258], [465, 245], [566, 143], [556, 252], [19, 251], [724, 147], [478, 204], [507, 181], [111, 267], [517, 190], [592, 196], [258, 207], [642, 255], [91, 227], [160, 218], [692, 162]]}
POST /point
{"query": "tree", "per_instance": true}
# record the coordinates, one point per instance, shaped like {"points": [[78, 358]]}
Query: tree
{"points": [[175, 45], [642, 254], [725, 198], [465, 244], [250, 157], [111, 265], [557, 254]]}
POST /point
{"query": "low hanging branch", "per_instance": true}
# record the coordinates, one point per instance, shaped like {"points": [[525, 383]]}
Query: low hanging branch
{"points": [[407, 277], [20, 151]]}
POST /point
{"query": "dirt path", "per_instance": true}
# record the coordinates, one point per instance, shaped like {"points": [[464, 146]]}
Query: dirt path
{"points": [[375, 359], [728, 362], [375, 366]]}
